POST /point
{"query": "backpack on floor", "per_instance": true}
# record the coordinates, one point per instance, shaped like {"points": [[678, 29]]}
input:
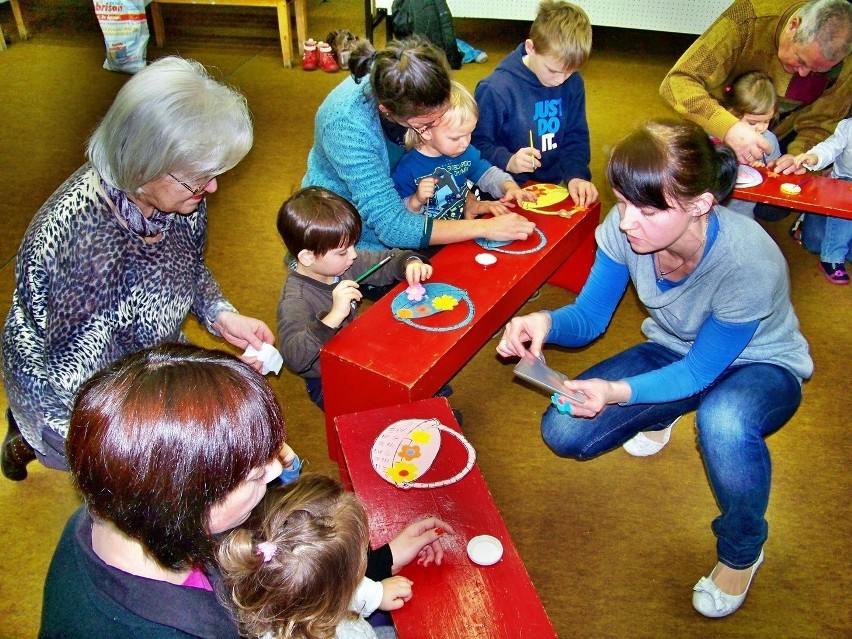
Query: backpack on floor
{"points": [[428, 18]]}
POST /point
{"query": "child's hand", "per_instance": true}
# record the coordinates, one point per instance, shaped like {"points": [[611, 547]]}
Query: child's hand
{"points": [[396, 591], [582, 192], [806, 159], [425, 190], [477, 208], [286, 456], [417, 271], [526, 160], [343, 295], [514, 193]]}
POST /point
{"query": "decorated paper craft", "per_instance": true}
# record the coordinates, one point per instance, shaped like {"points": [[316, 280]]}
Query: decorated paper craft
{"points": [[405, 450], [748, 176], [548, 195], [497, 245], [438, 297]]}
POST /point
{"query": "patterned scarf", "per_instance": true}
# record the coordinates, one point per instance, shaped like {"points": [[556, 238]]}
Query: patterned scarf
{"points": [[138, 224]]}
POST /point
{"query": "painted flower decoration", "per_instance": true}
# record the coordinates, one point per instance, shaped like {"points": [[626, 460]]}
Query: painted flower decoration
{"points": [[416, 292], [409, 452], [405, 313], [445, 302], [402, 472]]}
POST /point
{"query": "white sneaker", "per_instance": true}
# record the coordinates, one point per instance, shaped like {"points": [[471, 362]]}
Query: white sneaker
{"points": [[641, 446], [710, 601]]}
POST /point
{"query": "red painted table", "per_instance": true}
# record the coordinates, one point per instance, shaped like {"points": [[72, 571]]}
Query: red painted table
{"points": [[457, 599], [378, 361], [824, 195]]}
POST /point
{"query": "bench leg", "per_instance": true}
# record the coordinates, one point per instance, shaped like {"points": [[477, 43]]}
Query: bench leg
{"points": [[159, 27], [19, 20], [285, 33], [301, 10], [2, 39]]}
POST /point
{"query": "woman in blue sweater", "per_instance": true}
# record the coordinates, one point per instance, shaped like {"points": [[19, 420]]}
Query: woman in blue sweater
{"points": [[358, 140], [723, 338]]}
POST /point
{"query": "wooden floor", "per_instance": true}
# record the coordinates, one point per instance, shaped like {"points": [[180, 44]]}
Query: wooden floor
{"points": [[613, 545]]}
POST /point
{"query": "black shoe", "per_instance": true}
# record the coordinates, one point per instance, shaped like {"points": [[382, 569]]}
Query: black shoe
{"points": [[459, 417], [15, 453]]}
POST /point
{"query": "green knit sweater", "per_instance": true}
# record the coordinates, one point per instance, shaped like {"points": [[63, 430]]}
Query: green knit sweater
{"points": [[745, 38]]}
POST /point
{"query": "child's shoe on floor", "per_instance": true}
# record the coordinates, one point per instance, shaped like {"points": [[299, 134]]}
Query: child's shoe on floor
{"points": [[796, 229], [835, 273], [327, 60], [310, 55]]}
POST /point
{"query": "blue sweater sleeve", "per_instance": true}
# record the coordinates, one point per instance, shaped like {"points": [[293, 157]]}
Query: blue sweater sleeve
{"points": [[717, 345], [492, 118], [575, 152], [587, 318]]}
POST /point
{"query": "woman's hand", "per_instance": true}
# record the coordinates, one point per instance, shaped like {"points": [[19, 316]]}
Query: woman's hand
{"points": [[508, 227], [417, 271], [242, 332], [420, 540], [395, 592], [531, 328], [582, 192], [598, 392]]}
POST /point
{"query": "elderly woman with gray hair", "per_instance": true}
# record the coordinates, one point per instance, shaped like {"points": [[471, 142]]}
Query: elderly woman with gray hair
{"points": [[113, 262]]}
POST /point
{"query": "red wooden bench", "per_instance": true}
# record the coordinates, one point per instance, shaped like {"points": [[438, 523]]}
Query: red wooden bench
{"points": [[459, 599], [824, 195], [379, 361]]}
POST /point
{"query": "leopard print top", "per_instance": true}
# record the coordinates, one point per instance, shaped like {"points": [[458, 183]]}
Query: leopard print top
{"points": [[88, 292]]}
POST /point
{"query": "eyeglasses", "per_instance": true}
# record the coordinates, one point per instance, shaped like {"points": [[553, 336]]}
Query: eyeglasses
{"points": [[197, 191], [420, 130]]}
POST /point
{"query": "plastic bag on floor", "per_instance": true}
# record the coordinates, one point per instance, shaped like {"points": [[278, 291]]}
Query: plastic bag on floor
{"points": [[125, 29]]}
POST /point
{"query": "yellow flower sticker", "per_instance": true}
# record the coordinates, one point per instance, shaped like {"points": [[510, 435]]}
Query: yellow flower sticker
{"points": [[401, 472], [445, 302], [420, 436], [405, 313]]}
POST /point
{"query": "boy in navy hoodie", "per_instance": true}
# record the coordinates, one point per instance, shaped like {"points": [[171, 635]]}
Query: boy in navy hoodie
{"points": [[536, 93]]}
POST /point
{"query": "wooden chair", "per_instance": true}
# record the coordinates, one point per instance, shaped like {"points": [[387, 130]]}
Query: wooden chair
{"points": [[19, 20], [282, 6]]}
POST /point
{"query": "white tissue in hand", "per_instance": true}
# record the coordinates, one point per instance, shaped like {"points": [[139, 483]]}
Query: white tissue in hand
{"points": [[269, 355]]}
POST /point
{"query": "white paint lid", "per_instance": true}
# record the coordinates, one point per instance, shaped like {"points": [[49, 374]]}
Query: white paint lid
{"points": [[484, 550], [486, 259]]}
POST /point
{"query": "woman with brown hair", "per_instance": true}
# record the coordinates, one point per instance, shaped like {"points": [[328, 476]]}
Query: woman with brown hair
{"points": [[722, 338], [359, 138], [170, 447]]}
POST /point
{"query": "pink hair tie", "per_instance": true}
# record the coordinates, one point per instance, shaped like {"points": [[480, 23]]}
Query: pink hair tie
{"points": [[267, 550]]}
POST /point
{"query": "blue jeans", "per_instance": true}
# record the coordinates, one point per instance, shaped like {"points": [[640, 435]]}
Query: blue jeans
{"points": [[828, 237], [314, 387], [744, 405]]}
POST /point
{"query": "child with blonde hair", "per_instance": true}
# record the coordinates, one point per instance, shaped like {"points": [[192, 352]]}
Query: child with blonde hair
{"points": [[434, 177], [295, 569], [533, 105], [752, 98]]}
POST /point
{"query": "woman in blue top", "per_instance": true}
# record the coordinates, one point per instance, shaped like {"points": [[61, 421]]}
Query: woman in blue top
{"points": [[359, 138], [723, 338]]}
